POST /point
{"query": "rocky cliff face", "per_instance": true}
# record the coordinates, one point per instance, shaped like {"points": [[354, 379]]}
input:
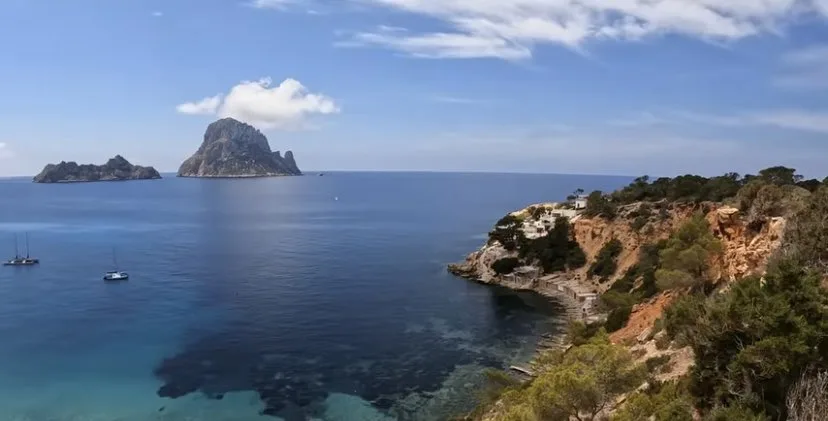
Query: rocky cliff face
{"points": [[235, 149], [746, 246], [116, 169]]}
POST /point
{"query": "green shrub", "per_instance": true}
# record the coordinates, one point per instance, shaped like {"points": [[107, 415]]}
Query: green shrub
{"points": [[669, 402], [506, 265], [605, 263], [599, 205], [582, 382], [575, 258], [554, 252], [618, 318], [684, 259], [579, 333], [751, 343]]}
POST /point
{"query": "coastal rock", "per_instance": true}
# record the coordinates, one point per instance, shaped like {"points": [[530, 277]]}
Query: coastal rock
{"points": [[235, 149], [116, 169], [746, 246]]}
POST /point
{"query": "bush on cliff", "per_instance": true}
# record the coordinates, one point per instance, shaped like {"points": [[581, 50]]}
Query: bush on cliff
{"points": [[806, 236], [580, 383], [605, 263], [506, 265], [507, 232], [556, 251], [694, 188], [667, 402], [684, 260], [599, 204], [753, 342]]}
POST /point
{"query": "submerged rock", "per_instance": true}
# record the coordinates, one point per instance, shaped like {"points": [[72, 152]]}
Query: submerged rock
{"points": [[116, 169], [235, 149]]}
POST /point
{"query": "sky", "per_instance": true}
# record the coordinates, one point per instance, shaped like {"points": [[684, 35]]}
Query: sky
{"points": [[631, 87]]}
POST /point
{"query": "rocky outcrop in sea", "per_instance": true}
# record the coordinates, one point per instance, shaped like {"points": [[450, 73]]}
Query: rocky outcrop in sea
{"points": [[116, 169], [235, 149]]}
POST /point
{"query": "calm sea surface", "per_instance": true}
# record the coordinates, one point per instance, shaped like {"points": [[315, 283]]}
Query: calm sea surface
{"points": [[296, 298]]}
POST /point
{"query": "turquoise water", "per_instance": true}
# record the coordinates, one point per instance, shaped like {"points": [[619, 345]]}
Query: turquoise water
{"points": [[294, 298]]}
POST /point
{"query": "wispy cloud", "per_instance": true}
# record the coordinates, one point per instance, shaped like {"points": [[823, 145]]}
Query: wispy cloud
{"points": [[271, 4], [806, 68], [639, 120], [158, 13], [815, 121], [511, 29], [450, 99]]}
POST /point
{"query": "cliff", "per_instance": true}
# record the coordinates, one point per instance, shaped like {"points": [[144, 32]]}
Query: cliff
{"points": [[746, 246], [234, 149], [116, 169]]}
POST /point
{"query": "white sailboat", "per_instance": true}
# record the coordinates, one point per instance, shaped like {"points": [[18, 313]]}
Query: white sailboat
{"points": [[21, 261], [115, 275]]}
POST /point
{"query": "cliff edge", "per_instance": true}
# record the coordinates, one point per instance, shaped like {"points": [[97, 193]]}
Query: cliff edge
{"points": [[234, 149], [746, 246]]}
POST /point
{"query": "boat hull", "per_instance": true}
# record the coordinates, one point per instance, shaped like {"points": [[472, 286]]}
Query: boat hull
{"points": [[116, 278]]}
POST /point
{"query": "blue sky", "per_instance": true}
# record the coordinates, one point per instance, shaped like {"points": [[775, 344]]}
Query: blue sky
{"points": [[565, 86]]}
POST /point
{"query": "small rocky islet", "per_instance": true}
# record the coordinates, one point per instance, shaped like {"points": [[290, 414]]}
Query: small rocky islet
{"points": [[116, 169], [232, 149]]}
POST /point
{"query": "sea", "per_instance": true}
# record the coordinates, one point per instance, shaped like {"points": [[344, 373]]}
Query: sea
{"points": [[295, 298]]}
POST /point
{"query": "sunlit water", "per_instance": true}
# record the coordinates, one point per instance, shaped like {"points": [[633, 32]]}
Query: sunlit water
{"points": [[298, 298]]}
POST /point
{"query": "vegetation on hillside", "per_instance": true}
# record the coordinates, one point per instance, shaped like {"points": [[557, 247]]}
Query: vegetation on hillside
{"points": [[686, 255], [555, 251], [606, 262], [582, 382], [753, 342], [759, 344]]}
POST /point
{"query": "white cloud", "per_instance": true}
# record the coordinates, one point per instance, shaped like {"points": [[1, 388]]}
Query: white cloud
{"points": [[805, 68], [158, 14], [5, 152], [206, 106], [510, 29], [271, 4], [285, 106]]}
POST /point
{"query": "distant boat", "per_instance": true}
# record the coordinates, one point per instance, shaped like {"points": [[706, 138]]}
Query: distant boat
{"points": [[21, 261], [115, 275]]}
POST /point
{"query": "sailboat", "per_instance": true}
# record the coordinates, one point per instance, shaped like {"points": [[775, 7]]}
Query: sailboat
{"points": [[115, 275], [21, 261]]}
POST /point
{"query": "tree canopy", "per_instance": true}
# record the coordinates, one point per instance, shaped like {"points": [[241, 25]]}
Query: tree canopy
{"points": [[753, 342], [580, 383], [685, 259]]}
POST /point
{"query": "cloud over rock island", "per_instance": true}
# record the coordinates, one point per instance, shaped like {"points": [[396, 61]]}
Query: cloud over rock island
{"points": [[234, 149]]}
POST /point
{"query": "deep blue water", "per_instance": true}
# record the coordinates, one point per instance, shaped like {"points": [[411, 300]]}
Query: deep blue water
{"points": [[304, 298]]}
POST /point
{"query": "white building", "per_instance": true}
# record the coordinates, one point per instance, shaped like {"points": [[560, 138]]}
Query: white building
{"points": [[580, 202]]}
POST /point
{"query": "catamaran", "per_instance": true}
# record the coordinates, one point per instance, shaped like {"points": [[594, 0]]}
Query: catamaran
{"points": [[21, 261], [115, 275]]}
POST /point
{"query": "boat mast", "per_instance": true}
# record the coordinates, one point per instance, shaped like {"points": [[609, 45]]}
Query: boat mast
{"points": [[27, 245], [114, 259], [16, 248]]}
